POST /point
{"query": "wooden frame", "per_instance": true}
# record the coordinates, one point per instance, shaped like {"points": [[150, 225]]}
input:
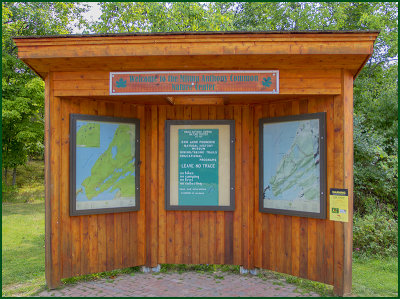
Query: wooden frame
{"points": [[171, 123], [288, 198], [74, 119]]}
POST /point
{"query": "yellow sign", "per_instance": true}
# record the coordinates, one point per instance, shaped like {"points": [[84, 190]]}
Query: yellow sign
{"points": [[339, 205]]}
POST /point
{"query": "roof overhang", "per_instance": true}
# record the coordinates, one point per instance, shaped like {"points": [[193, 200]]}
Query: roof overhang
{"points": [[198, 51]]}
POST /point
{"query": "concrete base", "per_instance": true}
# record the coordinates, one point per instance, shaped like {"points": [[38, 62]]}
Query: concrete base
{"points": [[248, 271], [149, 269]]}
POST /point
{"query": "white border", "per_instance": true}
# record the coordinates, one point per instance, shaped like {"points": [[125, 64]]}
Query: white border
{"points": [[193, 93]]}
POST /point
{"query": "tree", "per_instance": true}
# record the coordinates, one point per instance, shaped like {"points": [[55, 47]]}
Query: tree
{"points": [[163, 17], [22, 90], [375, 89]]}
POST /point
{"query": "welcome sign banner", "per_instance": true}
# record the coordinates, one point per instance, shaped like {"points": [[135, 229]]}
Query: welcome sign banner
{"points": [[191, 83]]}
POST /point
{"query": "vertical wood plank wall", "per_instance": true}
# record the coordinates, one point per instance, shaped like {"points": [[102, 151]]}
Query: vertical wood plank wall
{"points": [[92, 243], [303, 247]]}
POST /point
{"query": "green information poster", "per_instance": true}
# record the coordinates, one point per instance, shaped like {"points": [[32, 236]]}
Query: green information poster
{"points": [[198, 167]]}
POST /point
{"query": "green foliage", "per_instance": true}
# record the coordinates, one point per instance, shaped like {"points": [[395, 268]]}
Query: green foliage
{"points": [[375, 89], [29, 185], [22, 90], [203, 268], [163, 17], [254, 16], [375, 138], [22, 121], [375, 234], [375, 171], [107, 274], [305, 286]]}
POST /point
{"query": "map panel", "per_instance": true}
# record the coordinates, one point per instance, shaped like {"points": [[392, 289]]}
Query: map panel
{"points": [[105, 165], [291, 166]]}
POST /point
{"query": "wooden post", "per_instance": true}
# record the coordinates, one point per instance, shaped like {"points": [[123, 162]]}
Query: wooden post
{"points": [[46, 181], [52, 165], [348, 177], [343, 277]]}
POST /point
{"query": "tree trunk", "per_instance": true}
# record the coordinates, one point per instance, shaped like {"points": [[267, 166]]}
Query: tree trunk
{"points": [[5, 175], [14, 176]]}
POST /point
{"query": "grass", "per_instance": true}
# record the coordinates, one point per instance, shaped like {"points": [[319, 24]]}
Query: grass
{"points": [[110, 275], [372, 277], [305, 286], [23, 272], [375, 277], [23, 248], [23, 252], [23, 262]]}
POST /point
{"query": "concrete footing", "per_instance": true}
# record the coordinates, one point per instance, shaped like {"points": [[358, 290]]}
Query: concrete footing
{"points": [[248, 271], [150, 269]]}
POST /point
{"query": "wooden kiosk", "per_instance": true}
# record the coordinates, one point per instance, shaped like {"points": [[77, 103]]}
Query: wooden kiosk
{"points": [[298, 73]]}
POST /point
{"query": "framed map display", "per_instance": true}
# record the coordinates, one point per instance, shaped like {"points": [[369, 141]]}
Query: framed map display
{"points": [[200, 171], [104, 164], [293, 165]]}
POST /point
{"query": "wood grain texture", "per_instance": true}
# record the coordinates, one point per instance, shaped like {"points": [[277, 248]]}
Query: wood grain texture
{"points": [[250, 172], [55, 165], [309, 248], [40, 53], [258, 224], [171, 114], [47, 176], [329, 225], [292, 81], [228, 216], [220, 215], [90, 243], [141, 231], [339, 183], [147, 165], [162, 215], [307, 243], [237, 216], [153, 187], [66, 248], [347, 95]]}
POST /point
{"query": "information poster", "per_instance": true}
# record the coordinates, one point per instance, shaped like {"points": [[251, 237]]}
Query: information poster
{"points": [[198, 167], [103, 164], [339, 205], [292, 168]]}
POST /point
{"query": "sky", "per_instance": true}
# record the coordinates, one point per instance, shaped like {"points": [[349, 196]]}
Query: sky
{"points": [[93, 14]]}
